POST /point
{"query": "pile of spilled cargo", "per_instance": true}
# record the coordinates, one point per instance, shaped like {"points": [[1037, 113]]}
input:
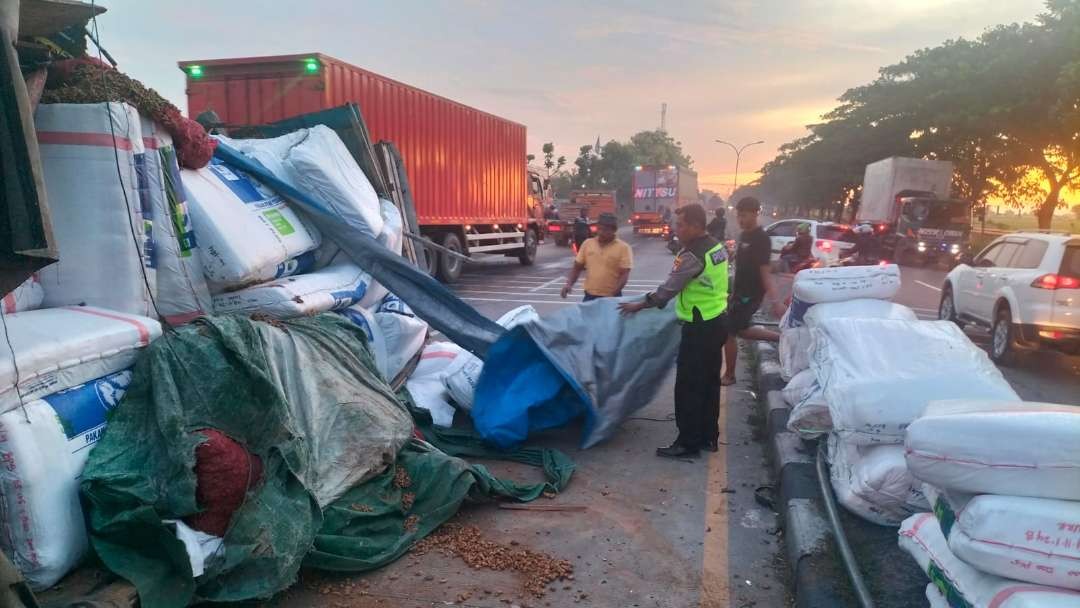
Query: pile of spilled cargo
{"points": [[923, 432], [229, 373]]}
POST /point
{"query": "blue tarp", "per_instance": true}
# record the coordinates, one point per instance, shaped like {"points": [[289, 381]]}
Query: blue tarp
{"points": [[584, 362]]}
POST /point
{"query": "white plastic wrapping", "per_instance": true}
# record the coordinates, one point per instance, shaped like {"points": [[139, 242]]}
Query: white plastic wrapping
{"points": [[44, 446], [873, 482], [58, 348], [182, 294], [934, 597], [334, 287], [1027, 539], [921, 537], [394, 338], [1013, 448], [27, 296], [426, 382], [816, 285], [799, 387], [464, 373], [878, 374], [248, 233], [794, 351], [93, 163], [393, 226]]}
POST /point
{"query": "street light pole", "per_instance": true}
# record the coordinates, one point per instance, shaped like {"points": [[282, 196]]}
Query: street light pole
{"points": [[738, 154]]}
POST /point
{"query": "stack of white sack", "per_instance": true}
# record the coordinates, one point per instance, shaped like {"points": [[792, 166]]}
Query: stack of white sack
{"points": [[874, 482], [447, 374], [1004, 481], [69, 368], [964, 585], [394, 334], [816, 286], [316, 161], [119, 215]]}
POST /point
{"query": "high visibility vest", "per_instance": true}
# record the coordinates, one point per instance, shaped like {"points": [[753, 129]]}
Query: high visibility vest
{"points": [[707, 292]]}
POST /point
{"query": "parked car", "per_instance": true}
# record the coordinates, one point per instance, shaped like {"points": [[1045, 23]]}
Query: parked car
{"points": [[1024, 287], [830, 239]]}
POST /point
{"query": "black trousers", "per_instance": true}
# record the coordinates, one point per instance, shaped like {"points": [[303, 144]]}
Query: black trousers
{"points": [[590, 297], [697, 382]]}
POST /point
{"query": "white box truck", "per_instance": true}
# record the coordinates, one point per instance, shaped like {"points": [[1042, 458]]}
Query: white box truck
{"points": [[907, 201]]}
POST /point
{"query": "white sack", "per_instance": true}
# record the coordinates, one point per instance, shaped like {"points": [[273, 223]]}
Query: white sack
{"points": [[795, 342], [96, 206], [426, 382], [394, 339], [878, 374], [815, 285], [58, 348], [794, 351], [393, 227], [811, 417], [464, 373], [934, 597], [248, 233], [1014, 448], [322, 166], [44, 447], [873, 482], [799, 387], [27, 296], [1017, 537], [337, 286], [182, 294], [394, 304], [921, 537]]}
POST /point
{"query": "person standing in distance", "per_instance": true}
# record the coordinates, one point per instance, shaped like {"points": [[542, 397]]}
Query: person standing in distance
{"points": [[718, 226], [606, 260], [753, 283], [699, 284]]}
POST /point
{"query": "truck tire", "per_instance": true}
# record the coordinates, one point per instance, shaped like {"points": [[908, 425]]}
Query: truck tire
{"points": [[428, 259], [527, 255], [449, 267]]}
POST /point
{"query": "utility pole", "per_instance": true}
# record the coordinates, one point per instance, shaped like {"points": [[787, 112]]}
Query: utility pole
{"points": [[738, 153], [663, 117]]}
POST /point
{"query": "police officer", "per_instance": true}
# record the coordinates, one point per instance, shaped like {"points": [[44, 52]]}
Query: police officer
{"points": [[699, 284]]}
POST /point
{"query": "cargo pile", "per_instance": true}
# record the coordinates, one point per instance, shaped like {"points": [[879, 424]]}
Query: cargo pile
{"points": [[1003, 480], [174, 375], [861, 370]]}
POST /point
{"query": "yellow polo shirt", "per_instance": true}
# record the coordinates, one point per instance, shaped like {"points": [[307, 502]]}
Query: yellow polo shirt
{"points": [[603, 264]]}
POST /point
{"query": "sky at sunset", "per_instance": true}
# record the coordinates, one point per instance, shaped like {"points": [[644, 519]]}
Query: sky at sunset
{"points": [[571, 71]]}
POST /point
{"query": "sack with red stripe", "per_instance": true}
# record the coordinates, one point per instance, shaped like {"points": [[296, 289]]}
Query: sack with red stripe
{"points": [[58, 348], [27, 296]]}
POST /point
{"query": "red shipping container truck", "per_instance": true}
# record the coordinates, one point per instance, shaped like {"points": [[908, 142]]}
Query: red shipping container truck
{"points": [[467, 168]]}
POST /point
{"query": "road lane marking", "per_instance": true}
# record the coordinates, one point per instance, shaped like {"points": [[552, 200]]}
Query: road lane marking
{"points": [[522, 301], [927, 285], [543, 285], [715, 580]]}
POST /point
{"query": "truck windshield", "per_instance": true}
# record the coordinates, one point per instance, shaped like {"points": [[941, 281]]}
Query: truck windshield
{"points": [[953, 213]]}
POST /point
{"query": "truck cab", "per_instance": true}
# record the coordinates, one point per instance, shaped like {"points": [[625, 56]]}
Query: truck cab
{"points": [[929, 229]]}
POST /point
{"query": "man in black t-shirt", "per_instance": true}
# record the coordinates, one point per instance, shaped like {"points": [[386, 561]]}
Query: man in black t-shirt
{"points": [[753, 282]]}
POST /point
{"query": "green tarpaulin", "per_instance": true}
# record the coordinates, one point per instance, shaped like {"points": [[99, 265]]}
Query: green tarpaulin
{"points": [[303, 396]]}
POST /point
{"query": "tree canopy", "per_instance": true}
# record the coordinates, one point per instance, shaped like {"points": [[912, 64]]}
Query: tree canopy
{"points": [[1004, 108]]}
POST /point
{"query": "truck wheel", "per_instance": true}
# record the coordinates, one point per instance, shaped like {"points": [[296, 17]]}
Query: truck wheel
{"points": [[428, 259], [527, 255], [449, 267]]}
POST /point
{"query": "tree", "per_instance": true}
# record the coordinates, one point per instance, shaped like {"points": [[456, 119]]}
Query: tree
{"points": [[529, 158], [1076, 211], [551, 164]]}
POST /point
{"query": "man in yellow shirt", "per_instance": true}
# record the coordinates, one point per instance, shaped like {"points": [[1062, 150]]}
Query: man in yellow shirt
{"points": [[606, 260]]}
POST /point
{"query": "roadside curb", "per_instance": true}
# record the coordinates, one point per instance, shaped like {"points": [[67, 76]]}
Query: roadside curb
{"points": [[807, 535]]}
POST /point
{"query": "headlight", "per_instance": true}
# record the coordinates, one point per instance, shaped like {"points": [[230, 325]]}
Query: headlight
{"points": [[922, 246], [955, 248]]}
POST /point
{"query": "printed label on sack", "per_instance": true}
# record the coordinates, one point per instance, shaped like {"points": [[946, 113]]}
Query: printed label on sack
{"points": [[178, 209], [244, 188], [278, 221], [82, 409], [142, 190], [301, 264]]}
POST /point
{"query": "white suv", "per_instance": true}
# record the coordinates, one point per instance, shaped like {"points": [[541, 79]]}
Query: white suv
{"points": [[830, 239], [1025, 287]]}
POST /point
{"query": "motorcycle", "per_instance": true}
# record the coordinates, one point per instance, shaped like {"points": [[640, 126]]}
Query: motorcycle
{"points": [[858, 260]]}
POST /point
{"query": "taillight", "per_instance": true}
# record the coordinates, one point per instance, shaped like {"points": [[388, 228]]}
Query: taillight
{"points": [[637, 216], [592, 228], [825, 246], [1056, 281], [882, 227]]}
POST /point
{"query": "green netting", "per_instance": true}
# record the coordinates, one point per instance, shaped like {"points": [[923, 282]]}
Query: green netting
{"points": [[303, 396]]}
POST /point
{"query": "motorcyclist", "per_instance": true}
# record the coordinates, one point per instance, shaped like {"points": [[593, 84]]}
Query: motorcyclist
{"points": [[866, 249], [798, 252]]}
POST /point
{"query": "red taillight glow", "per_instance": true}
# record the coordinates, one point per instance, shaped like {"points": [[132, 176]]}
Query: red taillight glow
{"points": [[882, 227], [592, 228], [637, 216], [825, 246], [554, 228], [1056, 281]]}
